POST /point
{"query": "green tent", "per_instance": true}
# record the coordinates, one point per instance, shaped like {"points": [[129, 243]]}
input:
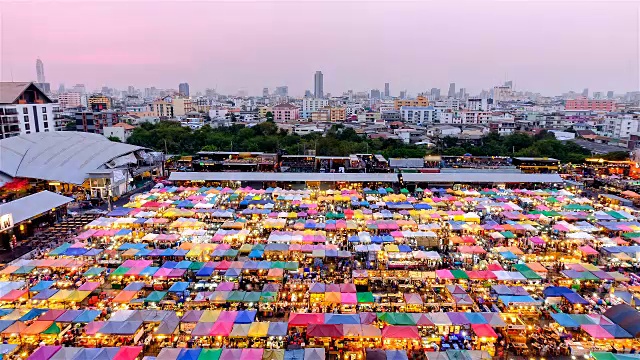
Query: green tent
{"points": [[459, 274], [196, 265], [551, 199], [210, 354], [508, 234], [631, 235], [268, 297], [291, 265], [578, 207], [231, 253], [603, 356], [236, 296], [527, 272], [156, 296], [277, 265], [551, 213], [94, 271], [404, 191], [419, 190], [389, 190], [400, 319], [119, 271], [364, 297], [616, 215], [252, 296], [54, 329]]}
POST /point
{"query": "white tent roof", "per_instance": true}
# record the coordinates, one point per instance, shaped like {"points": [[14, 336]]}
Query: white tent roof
{"points": [[32, 205], [65, 156]]}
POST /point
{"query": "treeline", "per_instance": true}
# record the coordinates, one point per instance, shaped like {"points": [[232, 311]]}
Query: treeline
{"points": [[341, 141]]}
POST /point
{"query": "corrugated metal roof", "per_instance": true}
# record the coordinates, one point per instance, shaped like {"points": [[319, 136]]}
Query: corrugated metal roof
{"points": [[32, 205], [459, 178], [65, 156]]}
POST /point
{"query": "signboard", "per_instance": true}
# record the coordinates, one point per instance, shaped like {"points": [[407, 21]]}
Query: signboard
{"points": [[6, 222]]}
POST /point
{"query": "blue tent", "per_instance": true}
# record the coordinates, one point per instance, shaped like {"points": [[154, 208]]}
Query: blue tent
{"points": [[123, 232], [233, 272], [205, 271], [256, 254], [396, 355], [617, 331], [404, 248], [422, 206], [245, 317], [149, 271], [565, 320], [476, 318], [189, 354], [45, 294], [180, 252], [135, 286], [87, 316], [341, 319], [77, 251], [277, 328], [184, 264], [5, 324], [119, 212], [95, 252], [170, 264], [42, 285], [168, 252], [294, 354], [574, 298], [179, 286], [555, 291], [32, 314]]}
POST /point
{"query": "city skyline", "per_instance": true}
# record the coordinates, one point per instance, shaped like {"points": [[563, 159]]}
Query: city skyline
{"points": [[550, 59]]}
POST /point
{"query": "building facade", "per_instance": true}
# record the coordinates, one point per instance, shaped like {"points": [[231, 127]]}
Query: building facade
{"points": [[310, 105], [593, 105], [420, 101], [70, 100], [318, 85], [183, 89], [99, 102], [25, 109], [418, 114], [95, 122], [338, 114], [286, 112]]}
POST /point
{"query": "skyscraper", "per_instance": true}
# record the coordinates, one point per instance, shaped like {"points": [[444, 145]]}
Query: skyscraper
{"points": [[610, 94], [435, 93], [585, 92], [375, 94], [282, 91], [183, 89], [318, 88], [462, 93], [452, 90], [40, 71], [386, 90], [307, 93], [265, 92], [403, 94]]}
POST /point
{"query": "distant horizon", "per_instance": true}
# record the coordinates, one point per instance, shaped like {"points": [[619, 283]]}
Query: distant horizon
{"points": [[543, 47]]}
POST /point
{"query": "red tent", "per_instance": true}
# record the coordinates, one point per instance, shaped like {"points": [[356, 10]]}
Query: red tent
{"points": [[326, 330], [484, 330], [400, 332], [305, 319], [128, 353]]}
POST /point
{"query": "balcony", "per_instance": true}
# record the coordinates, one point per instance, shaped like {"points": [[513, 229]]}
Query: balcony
{"points": [[6, 120]]}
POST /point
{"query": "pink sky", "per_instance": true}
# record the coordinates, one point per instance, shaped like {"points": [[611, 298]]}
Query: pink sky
{"points": [[542, 46]]}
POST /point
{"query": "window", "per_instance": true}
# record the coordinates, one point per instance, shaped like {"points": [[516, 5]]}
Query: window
{"points": [[27, 127], [46, 124], [44, 109], [44, 117], [26, 119], [25, 110]]}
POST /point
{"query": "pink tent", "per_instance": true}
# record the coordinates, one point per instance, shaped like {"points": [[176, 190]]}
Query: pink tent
{"points": [[227, 316], [128, 353], [304, 319], [484, 330], [44, 353], [444, 274], [588, 250], [349, 298], [400, 332], [221, 328], [596, 331], [251, 354], [93, 327]]}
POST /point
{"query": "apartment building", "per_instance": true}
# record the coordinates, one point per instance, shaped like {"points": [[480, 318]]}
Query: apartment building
{"points": [[310, 105], [590, 104], [417, 114], [338, 114], [25, 109], [286, 112], [98, 102], [70, 100], [420, 101]]}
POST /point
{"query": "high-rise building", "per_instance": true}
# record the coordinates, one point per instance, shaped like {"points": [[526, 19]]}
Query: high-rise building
{"points": [[183, 89], [610, 94], [403, 94], [131, 90], [462, 94], [61, 89], [79, 88], [386, 90], [318, 86], [585, 92], [99, 102], [70, 100], [265, 92], [40, 71], [308, 93], [282, 91], [509, 84], [597, 95], [375, 94], [452, 90], [435, 93]]}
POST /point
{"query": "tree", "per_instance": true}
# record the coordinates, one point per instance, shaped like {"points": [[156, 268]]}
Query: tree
{"points": [[70, 126], [269, 116], [616, 156], [114, 138]]}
